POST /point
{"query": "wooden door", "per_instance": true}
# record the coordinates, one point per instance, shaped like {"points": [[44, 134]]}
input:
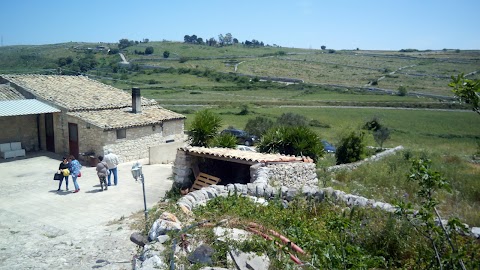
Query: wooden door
{"points": [[49, 132], [73, 139]]}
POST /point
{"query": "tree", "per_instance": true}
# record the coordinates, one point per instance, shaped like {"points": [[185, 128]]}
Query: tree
{"points": [[124, 43], [235, 41], [381, 135], [149, 50], [467, 91], [211, 42], [204, 128], [186, 39], [225, 140], [298, 141], [166, 54], [425, 219], [228, 39], [351, 148], [323, 47], [221, 40], [258, 126]]}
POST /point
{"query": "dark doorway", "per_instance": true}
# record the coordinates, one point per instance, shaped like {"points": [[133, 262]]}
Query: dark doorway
{"points": [[50, 135], [73, 139]]}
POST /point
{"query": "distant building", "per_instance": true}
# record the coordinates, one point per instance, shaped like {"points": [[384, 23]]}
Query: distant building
{"points": [[74, 115]]}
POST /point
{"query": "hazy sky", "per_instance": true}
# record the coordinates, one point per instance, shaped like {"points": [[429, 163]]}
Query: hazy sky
{"points": [[337, 24]]}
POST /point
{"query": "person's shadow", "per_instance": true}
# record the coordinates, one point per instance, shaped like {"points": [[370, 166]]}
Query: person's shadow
{"points": [[61, 192]]}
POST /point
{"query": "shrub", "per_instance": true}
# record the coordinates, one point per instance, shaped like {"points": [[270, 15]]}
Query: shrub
{"points": [[292, 119], [225, 140], [258, 126], [381, 135], [351, 148], [373, 125], [244, 110], [402, 91], [166, 54], [298, 141], [204, 128], [317, 123], [149, 50]]}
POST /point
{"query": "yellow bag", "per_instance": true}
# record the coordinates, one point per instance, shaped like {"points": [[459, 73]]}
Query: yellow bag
{"points": [[66, 172]]}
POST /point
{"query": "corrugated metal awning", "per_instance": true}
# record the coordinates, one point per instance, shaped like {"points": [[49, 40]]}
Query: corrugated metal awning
{"points": [[25, 107]]}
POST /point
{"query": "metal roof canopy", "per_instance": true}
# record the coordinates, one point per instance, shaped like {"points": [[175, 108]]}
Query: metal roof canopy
{"points": [[25, 107]]}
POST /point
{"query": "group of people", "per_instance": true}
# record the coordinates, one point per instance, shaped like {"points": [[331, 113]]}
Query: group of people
{"points": [[105, 168]]}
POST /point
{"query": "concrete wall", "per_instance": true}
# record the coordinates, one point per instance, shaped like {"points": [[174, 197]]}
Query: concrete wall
{"points": [[165, 153], [20, 129]]}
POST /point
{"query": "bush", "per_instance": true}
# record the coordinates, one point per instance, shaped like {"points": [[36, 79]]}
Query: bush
{"points": [[258, 126], [292, 119], [373, 125], [166, 54], [204, 128], [402, 91], [298, 141], [149, 50], [381, 135], [351, 148], [225, 140]]}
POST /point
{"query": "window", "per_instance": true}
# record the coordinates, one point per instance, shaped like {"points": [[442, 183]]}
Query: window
{"points": [[121, 133]]}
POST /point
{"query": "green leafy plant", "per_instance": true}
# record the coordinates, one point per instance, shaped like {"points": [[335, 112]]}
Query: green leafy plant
{"points": [[225, 140], [351, 148], [467, 91], [204, 128], [298, 141], [426, 218]]}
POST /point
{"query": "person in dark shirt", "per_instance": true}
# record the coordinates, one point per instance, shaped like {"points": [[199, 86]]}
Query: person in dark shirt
{"points": [[64, 170]]}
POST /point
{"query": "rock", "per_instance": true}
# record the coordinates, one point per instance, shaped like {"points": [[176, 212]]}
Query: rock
{"points": [[162, 226], [251, 189], [476, 232], [241, 189], [138, 239], [231, 188], [291, 193], [260, 190], [154, 262], [163, 238], [233, 234], [249, 261], [269, 192], [319, 195], [309, 191], [202, 254], [198, 195]]}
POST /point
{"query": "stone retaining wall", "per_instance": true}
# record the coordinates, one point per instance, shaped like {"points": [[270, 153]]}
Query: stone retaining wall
{"points": [[200, 197]]}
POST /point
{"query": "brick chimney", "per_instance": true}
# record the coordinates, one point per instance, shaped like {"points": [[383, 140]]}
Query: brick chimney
{"points": [[136, 100]]}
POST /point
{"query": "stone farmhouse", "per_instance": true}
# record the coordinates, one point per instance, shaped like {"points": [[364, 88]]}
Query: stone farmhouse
{"points": [[80, 116]]}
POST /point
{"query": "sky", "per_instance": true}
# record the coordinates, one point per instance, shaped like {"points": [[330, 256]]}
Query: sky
{"points": [[336, 24]]}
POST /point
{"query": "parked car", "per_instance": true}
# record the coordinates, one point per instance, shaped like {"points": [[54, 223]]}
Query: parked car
{"points": [[242, 136], [328, 147]]}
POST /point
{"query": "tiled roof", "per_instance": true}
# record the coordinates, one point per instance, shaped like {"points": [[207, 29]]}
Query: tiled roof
{"points": [[25, 107], [248, 156], [75, 92], [9, 93], [123, 118]]}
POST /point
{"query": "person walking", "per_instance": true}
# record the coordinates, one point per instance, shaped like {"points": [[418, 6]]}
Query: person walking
{"points": [[64, 170], [102, 172], [74, 171], [112, 161]]}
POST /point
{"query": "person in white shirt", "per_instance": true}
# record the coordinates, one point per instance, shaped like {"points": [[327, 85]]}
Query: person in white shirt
{"points": [[112, 161]]}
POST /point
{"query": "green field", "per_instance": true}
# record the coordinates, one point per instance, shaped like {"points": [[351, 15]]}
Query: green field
{"points": [[196, 77]]}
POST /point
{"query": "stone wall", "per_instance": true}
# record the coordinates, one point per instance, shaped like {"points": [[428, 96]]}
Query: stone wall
{"points": [[139, 140], [181, 168], [291, 174], [21, 129]]}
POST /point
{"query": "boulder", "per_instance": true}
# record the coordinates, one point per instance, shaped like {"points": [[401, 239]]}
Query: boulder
{"points": [[202, 254], [138, 239]]}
